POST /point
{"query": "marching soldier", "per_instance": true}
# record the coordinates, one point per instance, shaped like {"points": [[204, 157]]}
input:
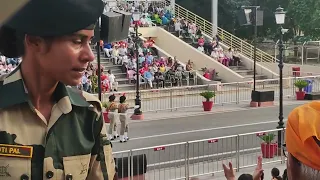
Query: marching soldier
{"points": [[47, 129], [122, 110], [112, 115]]}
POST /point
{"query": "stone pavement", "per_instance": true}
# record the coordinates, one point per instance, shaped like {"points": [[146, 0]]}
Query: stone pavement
{"points": [[196, 111]]}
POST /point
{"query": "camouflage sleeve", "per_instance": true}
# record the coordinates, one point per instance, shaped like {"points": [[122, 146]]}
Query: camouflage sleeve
{"points": [[102, 165]]}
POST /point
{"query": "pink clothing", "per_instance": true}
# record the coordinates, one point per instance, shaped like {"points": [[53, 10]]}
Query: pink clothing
{"points": [[201, 41]]}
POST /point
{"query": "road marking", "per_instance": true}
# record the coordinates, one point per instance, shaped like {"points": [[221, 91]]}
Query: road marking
{"points": [[202, 130]]}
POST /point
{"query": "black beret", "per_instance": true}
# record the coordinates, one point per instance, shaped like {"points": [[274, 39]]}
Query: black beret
{"points": [[55, 17], [47, 18]]}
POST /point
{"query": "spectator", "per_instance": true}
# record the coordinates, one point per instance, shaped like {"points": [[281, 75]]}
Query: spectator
{"points": [[177, 27], [189, 65], [257, 174], [302, 137], [148, 76], [201, 41], [107, 48], [113, 84], [229, 55], [162, 68], [85, 82], [168, 15], [236, 57], [284, 175], [159, 78], [104, 82], [115, 53], [200, 48], [275, 173]]}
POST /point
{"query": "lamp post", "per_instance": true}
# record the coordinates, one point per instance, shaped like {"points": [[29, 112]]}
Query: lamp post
{"points": [[251, 12], [137, 110], [280, 16]]}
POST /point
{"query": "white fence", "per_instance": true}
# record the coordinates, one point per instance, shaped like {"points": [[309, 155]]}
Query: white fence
{"points": [[226, 93]]}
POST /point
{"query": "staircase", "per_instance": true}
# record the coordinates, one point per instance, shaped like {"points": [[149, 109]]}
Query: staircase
{"points": [[228, 39], [121, 77], [240, 69]]}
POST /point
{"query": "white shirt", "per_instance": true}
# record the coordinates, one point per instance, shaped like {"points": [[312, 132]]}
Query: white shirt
{"points": [[201, 49], [143, 21], [177, 26], [122, 51], [111, 78]]}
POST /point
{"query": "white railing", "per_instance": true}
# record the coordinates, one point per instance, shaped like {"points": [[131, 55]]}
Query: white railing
{"points": [[228, 39], [226, 93], [185, 160]]}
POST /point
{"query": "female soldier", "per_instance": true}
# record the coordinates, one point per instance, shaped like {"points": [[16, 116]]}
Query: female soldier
{"points": [[112, 115], [122, 110], [57, 131]]}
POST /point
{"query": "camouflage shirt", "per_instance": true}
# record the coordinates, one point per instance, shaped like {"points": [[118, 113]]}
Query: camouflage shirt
{"points": [[71, 145]]}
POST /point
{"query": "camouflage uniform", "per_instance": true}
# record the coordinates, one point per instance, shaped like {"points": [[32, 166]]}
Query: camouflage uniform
{"points": [[72, 145]]}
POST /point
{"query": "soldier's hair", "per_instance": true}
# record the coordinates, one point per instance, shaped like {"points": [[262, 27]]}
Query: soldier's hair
{"points": [[112, 98], [245, 177], [122, 99]]}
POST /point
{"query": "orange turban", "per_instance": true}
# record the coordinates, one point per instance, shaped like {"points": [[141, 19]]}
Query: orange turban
{"points": [[302, 133]]}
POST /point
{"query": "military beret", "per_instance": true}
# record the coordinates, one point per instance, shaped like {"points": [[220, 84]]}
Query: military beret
{"points": [[55, 17], [47, 18]]}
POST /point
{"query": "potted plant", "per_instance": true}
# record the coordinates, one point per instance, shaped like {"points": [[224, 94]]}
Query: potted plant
{"points": [[300, 84], [105, 113], [268, 147], [208, 95]]}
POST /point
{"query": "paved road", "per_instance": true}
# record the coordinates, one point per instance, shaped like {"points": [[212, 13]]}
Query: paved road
{"points": [[155, 133]]}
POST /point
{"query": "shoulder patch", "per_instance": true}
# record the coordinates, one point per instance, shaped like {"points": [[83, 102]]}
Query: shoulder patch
{"points": [[3, 76], [92, 99]]}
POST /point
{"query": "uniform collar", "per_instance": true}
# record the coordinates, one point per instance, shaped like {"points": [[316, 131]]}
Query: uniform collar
{"points": [[13, 92]]}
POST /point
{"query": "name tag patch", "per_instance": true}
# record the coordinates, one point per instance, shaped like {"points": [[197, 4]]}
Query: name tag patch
{"points": [[16, 151]]}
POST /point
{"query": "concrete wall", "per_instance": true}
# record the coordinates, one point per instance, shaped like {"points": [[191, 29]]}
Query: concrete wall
{"points": [[183, 51]]}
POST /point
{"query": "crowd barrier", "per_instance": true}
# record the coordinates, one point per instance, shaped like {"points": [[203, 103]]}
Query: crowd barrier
{"points": [[226, 93], [201, 157]]}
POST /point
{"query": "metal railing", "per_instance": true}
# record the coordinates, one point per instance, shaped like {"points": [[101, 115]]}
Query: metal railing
{"points": [[228, 39], [203, 157], [226, 93]]}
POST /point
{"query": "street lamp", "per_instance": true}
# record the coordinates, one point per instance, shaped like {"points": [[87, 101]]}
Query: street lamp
{"points": [[137, 110], [251, 18], [280, 16]]}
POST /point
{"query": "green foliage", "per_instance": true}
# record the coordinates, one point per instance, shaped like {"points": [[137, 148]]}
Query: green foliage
{"points": [[104, 104], [302, 16], [300, 84], [306, 16], [208, 95], [267, 138]]}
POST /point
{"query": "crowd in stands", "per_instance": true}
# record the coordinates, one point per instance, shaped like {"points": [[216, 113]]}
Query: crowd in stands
{"points": [[8, 64], [152, 68], [185, 29]]}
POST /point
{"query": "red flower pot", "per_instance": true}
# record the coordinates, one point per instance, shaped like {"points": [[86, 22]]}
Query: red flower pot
{"points": [[105, 117], [207, 105], [269, 150], [300, 95]]}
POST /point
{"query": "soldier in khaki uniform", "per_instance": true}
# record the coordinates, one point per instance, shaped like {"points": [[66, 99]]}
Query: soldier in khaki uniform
{"points": [[113, 116], [49, 130], [123, 116]]}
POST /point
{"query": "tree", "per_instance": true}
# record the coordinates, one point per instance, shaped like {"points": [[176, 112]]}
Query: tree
{"points": [[305, 17]]}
